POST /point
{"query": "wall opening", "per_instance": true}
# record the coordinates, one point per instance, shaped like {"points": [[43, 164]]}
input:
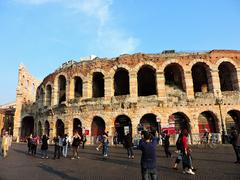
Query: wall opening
{"points": [[77, 126], [49, 95], [147, 81], [62, 88], [208, 120], [174, 76], [78, 86], [202, 78], [60, 128], [27, 126], [97, 127], [123, 126], [228, 77], [98, 85], [233, 120], [121, 82], [47, 128], [149, 123]]}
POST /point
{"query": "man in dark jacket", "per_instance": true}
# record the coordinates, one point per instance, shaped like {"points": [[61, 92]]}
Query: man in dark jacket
{"points": [[129, 145], [148, 145]]}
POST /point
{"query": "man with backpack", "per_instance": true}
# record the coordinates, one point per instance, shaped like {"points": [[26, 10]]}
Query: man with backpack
{"points": [[65, 143]]}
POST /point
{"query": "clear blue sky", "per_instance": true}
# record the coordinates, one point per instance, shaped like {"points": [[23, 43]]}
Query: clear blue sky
{"points": [[42, 34]]}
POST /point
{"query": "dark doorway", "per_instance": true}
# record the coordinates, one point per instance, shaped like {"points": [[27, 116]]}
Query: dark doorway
{"points": [[47, 128], [149, 123], [147, 81], [121, 82], [207, 120], [202, 79], [174, 76], [98, 127], [228, 77], [62, 89], [59, 128], [123, 126], [98, 85], [77, 126], [78, 87], [27, 126]]}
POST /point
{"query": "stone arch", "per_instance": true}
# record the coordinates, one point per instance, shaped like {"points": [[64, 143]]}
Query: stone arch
{"points": [[78, 87], [49, 93], [77, 126], [232, 120], [97, 127], [208, 120], [146, 78], [202, 77], [180, 121], [123, 126], [149, 123], [60, 128], [121, 82], [228, 76], [174, 76], [62, 86], [98, 84], [27, 126], [146, 63]]}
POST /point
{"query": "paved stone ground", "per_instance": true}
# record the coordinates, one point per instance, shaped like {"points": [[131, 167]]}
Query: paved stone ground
{"points": [[210, 163]]}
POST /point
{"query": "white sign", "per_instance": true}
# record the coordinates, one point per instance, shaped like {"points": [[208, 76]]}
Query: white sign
{"points": [[126, 130], [158, 119]]}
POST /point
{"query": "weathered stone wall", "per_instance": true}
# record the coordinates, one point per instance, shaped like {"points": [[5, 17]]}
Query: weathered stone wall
{"points": [[166, 102]]}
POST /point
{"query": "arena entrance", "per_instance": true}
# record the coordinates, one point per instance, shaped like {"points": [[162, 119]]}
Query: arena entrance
{"points": [[149, 123], [207, 120], [123, 126], [59, 128], [27, 126], [232, 120], [77, 126], [97, 128]]}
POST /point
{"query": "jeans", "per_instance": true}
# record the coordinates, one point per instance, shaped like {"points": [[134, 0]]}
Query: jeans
{"points": [[57, 150], [65, 150], [130, 151], [149, 174], [44, 153], [105, 149]]}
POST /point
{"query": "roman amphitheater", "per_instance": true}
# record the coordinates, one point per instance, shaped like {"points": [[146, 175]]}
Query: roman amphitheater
{"points": [[169, 90]]}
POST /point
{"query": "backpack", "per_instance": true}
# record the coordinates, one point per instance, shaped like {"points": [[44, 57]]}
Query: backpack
{"points": [[64, 141]]}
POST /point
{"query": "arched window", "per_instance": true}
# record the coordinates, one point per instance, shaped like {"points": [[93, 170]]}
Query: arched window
{"points": [[49, 95], [78, 86], [98, 85], [121, 82], [61, 89], [147, 81], [202, 78], [228, 77], [174, 76]]}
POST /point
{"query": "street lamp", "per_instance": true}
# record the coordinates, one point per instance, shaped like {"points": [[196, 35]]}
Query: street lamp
{"points": [[219, 102]]}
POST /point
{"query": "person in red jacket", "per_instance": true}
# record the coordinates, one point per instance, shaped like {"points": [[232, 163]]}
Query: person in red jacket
{"points": [[186, 161]]}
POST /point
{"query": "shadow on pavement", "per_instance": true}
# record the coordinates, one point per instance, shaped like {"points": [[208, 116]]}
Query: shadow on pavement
{"points": [[56, 172]]}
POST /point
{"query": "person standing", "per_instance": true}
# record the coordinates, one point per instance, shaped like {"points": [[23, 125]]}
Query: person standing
{"points": [[186, 161], [84, 140], [44, 146], [65, 142], [76, 140], [29, 143], [35, 142], [105, 144], [166, 143], [148, 146], [129, 145], [56, 147], [234, 141], [5, 144]]}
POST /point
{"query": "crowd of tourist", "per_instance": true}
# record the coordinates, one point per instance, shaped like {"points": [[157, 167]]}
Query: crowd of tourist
{"points": [[147, 145]]}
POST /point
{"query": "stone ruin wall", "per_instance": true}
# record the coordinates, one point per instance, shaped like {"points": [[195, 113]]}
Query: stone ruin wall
{"points": [[109, 107]]}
